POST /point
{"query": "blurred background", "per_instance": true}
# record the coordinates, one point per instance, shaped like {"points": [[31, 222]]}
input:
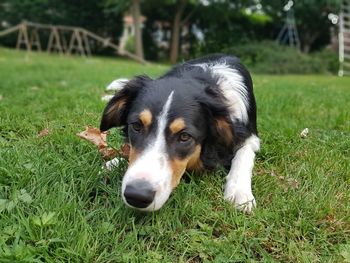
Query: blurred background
{"points": [[270, 36]]}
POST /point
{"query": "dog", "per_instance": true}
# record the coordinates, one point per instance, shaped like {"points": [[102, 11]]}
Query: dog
{"points": [[199, 115]]}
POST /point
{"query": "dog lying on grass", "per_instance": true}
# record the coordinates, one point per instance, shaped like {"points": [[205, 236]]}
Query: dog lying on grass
{"points": [[199, 115]]}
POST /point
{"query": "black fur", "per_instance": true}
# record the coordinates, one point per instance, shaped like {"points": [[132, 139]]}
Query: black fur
{"points": [[197, 99]]}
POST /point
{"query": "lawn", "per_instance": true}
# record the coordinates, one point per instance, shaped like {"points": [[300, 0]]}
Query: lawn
{"points": [[54, 207]]}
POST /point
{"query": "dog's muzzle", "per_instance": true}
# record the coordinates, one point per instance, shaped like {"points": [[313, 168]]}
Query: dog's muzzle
{"points": [[139, 193]]}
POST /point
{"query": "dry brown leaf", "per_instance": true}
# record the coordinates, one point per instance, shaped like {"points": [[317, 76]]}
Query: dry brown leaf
{"points": [[95, 136], [293, 183], [108, 153], [288, 183], [98, 138], [44, 133]]}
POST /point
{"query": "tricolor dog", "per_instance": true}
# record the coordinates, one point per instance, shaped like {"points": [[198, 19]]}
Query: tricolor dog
{"points": [[199, 115]]}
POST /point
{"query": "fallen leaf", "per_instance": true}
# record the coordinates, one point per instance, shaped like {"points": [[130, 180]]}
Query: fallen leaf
{"points": [[293, 183], [288, 183], [108, 153], [34, 88], [95, 136], [44, 132], [1, 97], [304, 133], [98, 138], [330, 218]]}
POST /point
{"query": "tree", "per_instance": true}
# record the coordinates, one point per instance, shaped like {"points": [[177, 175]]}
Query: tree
{"points": [[224, 23], [177, 13], [227, 23], [118, 8], [176, 30], [136, 14], [134, 6], [313, 22], [311, 19]]}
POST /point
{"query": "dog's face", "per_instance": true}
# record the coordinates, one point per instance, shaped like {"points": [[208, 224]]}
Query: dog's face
{"points": [[166, 124]]}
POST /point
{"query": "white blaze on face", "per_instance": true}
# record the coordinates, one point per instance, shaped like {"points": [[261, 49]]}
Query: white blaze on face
{"points": [[152, 164]]}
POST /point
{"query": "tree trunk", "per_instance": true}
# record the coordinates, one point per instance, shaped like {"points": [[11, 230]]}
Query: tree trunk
{"points": [[176, 30], [308, 39], [136, 14]]}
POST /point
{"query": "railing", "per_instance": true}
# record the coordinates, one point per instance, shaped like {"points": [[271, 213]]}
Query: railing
{"points": [[344, 39], [79, 42]]}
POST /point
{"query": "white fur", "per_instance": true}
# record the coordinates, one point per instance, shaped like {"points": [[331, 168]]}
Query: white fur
{"points": [[107, 97], [153, 165], [117, 84], [231, 84], [238, 189]]}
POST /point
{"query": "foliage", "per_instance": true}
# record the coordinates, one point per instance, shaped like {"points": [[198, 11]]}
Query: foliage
{"points": [[66, 212], [224, 23], [165, 12], [271, 58], [311, 19], [329, 59]]}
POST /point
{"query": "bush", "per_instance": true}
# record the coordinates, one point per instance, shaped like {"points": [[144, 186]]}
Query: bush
{"points": [[272, 58], [330, 60]]}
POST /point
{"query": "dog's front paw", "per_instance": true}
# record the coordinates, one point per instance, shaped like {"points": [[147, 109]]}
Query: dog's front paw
{"points": [[242, 197]]}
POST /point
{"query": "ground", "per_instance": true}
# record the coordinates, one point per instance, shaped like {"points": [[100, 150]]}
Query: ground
{"points": [[54, 207]]}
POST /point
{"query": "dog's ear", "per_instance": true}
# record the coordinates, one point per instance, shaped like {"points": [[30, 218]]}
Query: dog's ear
{"points": [[218, 145], [117, 109], [220, 126], [223, 129]]}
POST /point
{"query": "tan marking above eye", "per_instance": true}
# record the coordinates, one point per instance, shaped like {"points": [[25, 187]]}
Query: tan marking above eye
{"points": [[177, 125], [146, 117], [179, 166]]}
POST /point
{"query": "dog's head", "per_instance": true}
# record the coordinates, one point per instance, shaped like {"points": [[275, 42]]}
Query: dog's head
{"points": [[168, 123]]}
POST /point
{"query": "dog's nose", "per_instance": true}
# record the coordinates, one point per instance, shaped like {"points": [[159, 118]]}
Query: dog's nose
{"points": [[139, 194]]}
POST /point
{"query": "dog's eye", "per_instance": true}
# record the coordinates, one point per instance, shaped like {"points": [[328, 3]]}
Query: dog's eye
{"points": [[136, 126], [184, 137]]}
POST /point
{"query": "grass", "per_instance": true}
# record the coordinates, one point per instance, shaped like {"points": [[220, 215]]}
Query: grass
{"points": [[55, 208]]}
